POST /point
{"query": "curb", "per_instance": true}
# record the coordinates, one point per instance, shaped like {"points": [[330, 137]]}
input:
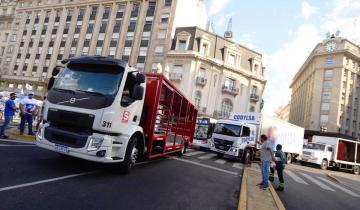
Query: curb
{"points": [[22, 137], [242, 205]]}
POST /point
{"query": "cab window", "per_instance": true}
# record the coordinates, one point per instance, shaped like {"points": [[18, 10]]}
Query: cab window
{"points": [[245, 131]]}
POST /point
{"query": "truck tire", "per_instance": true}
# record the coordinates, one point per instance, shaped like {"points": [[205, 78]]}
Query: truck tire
{"points": [[324, 164], [131, 156], [356, 170], [183, 149], [247, 156]]}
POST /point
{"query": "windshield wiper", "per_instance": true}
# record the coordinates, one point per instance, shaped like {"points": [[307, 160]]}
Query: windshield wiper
{"points": [[90, 92], [64, 90]]}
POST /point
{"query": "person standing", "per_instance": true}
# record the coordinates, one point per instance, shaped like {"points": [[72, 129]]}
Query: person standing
{"points": [[27, 109], [266, 155], [10, 109], [2, 105], [280, 166]]}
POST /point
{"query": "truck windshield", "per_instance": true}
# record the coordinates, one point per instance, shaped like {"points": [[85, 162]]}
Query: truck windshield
{"points": [[227, 129], [91, 79], [201, 131], [315, 146]]}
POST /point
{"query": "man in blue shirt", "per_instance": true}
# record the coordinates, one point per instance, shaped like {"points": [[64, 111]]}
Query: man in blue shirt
{"points": [[10, 109]]}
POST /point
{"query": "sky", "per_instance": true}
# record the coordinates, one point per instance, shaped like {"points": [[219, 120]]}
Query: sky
{"points": [[284, 32]]}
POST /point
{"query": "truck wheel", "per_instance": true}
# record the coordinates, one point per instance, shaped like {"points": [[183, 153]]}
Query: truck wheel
{"points": [[288, 158], [183, 149], [324, 164], [247, 156], [356, 170], [131, 156]]}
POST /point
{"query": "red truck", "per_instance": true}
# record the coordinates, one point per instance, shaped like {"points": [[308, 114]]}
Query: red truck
{"points": [[101, 109]]}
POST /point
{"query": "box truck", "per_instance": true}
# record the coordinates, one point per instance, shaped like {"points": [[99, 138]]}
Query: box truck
{"points": [[338, 153], [237, 136], [101, 109]]}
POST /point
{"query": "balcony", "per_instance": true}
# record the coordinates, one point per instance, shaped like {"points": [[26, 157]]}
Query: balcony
{"points": [[201, 81], [230, 90], [176, 76], [254, 97]]}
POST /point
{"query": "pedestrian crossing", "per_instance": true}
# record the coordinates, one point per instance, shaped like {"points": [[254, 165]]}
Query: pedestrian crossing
{"points": [[206, 156], [319, 181]]}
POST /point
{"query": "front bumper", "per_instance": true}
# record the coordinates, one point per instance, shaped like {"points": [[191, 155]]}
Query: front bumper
{"points": [[310, 159], [232, 152], [112, 152]]}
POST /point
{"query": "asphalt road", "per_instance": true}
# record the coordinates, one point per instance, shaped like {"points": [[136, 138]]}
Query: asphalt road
{"points": [[310, 188], [33, 178]]}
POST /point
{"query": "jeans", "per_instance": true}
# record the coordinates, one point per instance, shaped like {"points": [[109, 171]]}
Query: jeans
{"points": [[265, 168], [6, 123], [26, 118]]}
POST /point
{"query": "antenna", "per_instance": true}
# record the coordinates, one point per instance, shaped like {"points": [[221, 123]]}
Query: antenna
{"points": [[228, 33], [212, 27]]}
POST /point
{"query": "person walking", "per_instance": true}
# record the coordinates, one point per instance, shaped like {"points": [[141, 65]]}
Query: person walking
{"points": [[27, 109], [280, 166], [10, 109], [2, 105], [266, 155]]}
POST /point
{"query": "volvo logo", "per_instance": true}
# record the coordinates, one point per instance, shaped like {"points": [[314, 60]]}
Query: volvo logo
{"points": [[72, 100]]}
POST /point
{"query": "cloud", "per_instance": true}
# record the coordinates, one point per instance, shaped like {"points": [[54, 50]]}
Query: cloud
{"points": [[216, 6], [247, 40], [307, 10], [282, 65]]}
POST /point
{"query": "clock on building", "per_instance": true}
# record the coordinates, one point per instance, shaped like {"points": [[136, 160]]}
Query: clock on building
{"points": [[330, 46]]}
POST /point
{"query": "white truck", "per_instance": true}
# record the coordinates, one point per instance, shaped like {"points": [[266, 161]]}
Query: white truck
{"points": [[101, 109], [237, 136], [338, 153]]}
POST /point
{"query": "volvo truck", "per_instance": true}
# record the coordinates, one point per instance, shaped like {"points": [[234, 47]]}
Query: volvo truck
{"points": [[101, 109]]}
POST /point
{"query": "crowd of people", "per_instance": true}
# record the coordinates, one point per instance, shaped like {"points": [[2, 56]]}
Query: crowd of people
{"points": [[27, 108]]}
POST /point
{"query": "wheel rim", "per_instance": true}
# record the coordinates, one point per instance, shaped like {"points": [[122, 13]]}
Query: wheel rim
{"points": [[247, 157], [356, 169], [324, 164], [134, 155]]}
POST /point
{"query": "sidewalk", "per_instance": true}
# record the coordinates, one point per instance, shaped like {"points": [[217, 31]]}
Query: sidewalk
{"points": [[14, 133], [254, 198]]}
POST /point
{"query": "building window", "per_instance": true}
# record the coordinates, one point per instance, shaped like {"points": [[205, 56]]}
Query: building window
{"points": [[324, 119], [162, 34], [326, 95], [159, 50], [135, 10], [106, 13], [325, 106], [112, 51], [230, 83], [143, 51], [328, 73], [197, 99], [167, 3], [329, 61], [226, 107], [164, 18], [231, 59], [85, 50], [98, 51], [204, 49], [202, 73], [132, 26], [127, 51], [93, 13], [327, 84], [182, 44]]}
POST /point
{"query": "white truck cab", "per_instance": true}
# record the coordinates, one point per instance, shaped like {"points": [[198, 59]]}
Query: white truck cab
{"points": [[234, 138], [318, 153]]}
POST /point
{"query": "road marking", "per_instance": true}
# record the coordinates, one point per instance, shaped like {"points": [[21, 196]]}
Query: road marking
{"points": [[205, 166], [190, 150], [23, 142], [320, 184], [208, 156], [194, 153], [9, 145], [238, 165], [220, 161], [295, 177], [45, 181], [339, 187]]}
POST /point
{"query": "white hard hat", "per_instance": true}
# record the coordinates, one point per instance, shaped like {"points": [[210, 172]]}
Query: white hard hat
{"points": [[31, 93]]}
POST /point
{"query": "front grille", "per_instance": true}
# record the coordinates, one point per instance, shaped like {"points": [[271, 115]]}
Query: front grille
{"points": [[67, 138], [306, 153], [222, 144], [70, 120]]}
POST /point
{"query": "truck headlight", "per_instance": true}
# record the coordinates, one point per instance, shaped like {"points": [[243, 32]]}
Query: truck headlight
{"points": [[95, 143], [39, 133]]}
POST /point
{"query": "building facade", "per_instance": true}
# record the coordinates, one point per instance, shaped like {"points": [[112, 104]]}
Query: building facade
{"points": [[43, 32], [326, 89], [218, 74], [7, 11], [283, 112]]}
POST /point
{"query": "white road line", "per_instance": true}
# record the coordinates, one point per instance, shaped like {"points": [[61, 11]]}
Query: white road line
{"points": [[45, 181], [238, 165], [339, 187], [207, 156], [194, 153], [220, 161], [23, 142], [295, 177], [9, 145], [318, 183], [206, 166]]}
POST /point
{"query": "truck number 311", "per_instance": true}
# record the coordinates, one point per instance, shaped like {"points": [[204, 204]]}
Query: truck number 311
{"points": [[106, 124]]}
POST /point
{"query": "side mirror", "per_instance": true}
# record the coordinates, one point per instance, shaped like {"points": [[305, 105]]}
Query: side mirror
{"points": [[140, 78], [51, 83], [56, 71], [138, 92]]}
